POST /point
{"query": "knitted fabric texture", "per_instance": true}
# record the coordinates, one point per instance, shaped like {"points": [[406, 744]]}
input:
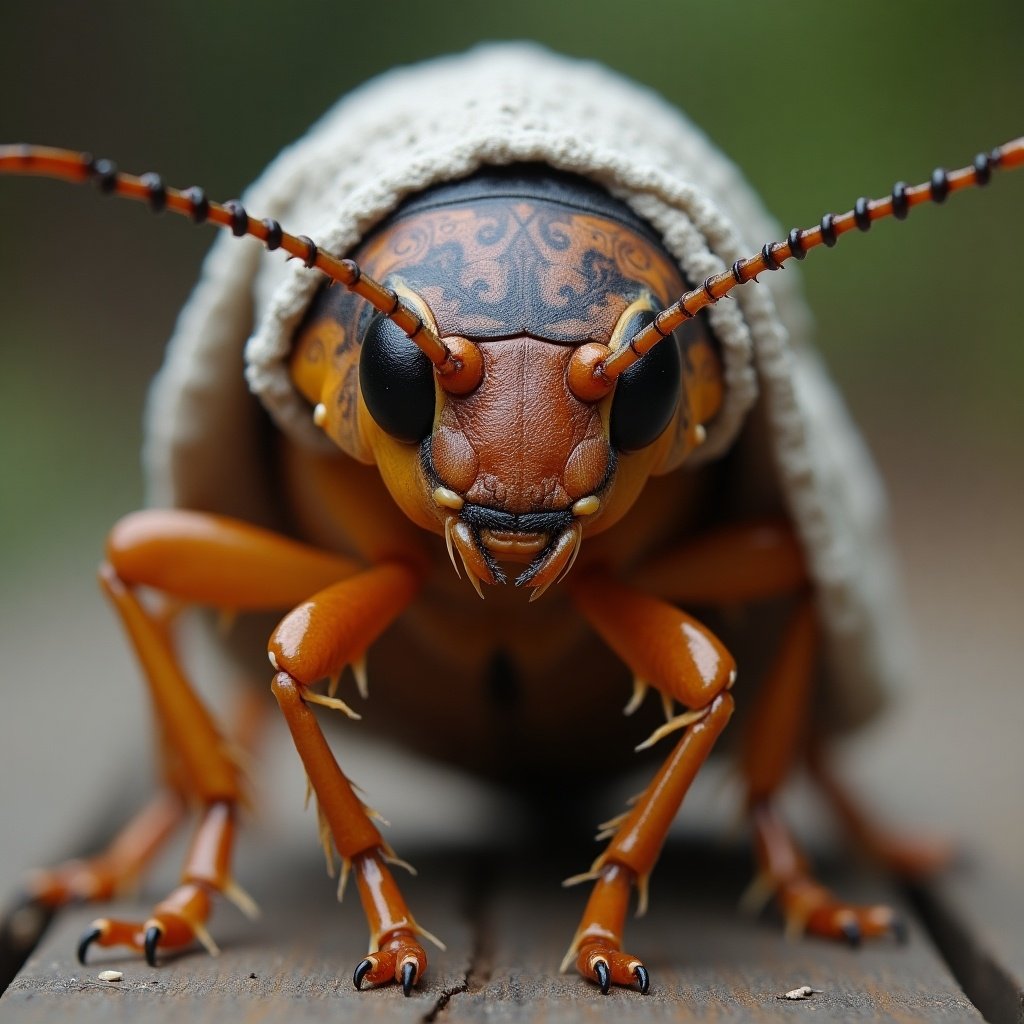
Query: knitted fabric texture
{"points": [[515, 103]]}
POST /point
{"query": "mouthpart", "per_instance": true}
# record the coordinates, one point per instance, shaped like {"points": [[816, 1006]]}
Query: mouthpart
{"points": [[546, 542]]}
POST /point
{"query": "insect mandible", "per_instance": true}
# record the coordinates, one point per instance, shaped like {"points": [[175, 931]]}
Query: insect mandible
{"points": [[510, 382]]}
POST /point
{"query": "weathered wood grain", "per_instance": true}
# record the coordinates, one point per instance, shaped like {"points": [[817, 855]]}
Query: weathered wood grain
{"points": [[294, 964], [707, 962], [977, 919], [507, 923]]}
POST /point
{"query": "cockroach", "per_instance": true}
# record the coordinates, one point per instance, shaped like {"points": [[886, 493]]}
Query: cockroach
{"points": [[502, 346]]}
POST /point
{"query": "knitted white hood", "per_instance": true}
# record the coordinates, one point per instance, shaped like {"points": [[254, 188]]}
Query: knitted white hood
{"points": [[439, 121]]}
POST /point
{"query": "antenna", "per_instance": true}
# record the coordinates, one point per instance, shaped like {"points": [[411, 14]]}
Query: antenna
{"points": [[774, 254], [194, 204]]}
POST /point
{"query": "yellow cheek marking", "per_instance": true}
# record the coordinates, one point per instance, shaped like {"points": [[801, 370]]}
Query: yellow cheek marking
{"points": [[586, 506], [645, 304]]}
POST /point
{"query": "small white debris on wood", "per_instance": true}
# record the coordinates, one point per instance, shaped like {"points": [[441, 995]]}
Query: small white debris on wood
{"points": [[803, 992], [110, 976]]}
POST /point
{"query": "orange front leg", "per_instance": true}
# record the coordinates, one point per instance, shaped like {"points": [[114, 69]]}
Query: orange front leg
{"points": [[745, 563], [230, 565], [311, 643], [632, 854], [181, 917], [673, 652]]}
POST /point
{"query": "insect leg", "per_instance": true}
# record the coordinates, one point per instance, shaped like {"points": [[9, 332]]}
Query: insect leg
{"points": [[775, 737], [631, 855], [102, 876], [745, 563], [728, 565], [676, 654], [395, 951], [909, 856], [96, 878], [311, 642], [193, 557]]}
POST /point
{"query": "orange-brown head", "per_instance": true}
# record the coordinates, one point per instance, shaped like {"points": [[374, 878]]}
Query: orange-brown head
{"points": [[528, 277]]}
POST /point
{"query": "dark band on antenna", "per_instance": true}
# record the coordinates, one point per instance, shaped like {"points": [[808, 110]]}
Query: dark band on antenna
{"points": [[828, 229], [982, 169], [198, 204], [862, 213], [309, 262], [239, 218], [157, 191], [274, 233], [105, 173], [939, 185], [682, 311], [900, 206], [796, 247]]}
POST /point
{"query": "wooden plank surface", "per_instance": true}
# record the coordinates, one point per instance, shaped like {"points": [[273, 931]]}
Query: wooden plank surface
{"points": [[294, 964], [507, 923], [708, 963], [977, 919]]}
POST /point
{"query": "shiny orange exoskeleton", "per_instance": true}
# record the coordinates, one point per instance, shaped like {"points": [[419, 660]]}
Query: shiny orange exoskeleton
{"points": [[508, 377]]}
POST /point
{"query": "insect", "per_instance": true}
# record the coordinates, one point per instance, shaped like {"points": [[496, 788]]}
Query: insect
{"points": [[506, 380]]}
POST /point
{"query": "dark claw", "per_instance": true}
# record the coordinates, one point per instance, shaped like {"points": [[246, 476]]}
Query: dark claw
{"points": [[643, 979], [408, 977], [898, 927], [852, 933], [604, 976], [361, 971], [153, 934], [87, 939]]}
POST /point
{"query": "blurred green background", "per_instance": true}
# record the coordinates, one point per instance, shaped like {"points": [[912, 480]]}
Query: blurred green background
{"points": [[818, 100]]}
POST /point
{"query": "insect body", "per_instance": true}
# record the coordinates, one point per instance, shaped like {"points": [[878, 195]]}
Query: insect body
{"points": [[510, 383]]}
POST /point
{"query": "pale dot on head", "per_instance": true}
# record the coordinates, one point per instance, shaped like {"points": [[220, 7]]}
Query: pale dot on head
{"points": [[448, 498], [586, 506]]}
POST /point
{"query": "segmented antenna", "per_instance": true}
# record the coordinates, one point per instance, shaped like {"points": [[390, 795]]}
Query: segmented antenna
{"points": [[194, 204], [798, 243]]}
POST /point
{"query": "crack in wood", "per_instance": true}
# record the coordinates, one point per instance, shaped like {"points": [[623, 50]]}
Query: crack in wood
{"points": [[506, 922], [479, 893], [445, 998]]}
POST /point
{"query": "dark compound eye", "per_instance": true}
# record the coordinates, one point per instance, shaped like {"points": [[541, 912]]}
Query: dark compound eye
{"points": [[647, 394], [397, 382]]}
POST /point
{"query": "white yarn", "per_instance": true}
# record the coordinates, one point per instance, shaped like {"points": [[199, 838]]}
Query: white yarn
{"points": [[511, 103]]}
